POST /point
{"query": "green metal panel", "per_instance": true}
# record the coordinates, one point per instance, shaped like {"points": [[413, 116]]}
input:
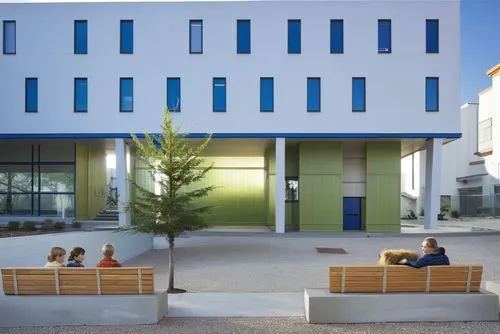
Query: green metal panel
{"points": [[320, 186], [292, 216], [270, 186], [383, 186]]}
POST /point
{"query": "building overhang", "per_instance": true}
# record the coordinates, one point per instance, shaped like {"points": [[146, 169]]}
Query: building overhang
{"points": [[470, 177]]}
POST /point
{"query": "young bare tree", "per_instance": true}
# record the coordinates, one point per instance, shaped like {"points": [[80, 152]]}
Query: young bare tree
{"points": [[175, 164]]}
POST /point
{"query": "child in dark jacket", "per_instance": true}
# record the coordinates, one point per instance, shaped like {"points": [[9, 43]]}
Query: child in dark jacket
{"points": [[107, 257], [76, 257], [433, 255]]}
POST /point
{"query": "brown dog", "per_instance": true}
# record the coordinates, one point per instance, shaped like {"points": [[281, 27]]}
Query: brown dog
{"points": [[393, 256]]}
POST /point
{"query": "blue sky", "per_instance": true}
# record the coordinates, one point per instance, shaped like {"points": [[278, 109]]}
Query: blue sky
{"points": [[480, 45]]}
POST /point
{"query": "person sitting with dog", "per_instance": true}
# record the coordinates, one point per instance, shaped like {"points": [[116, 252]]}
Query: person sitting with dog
{"points": [[433, 255]]}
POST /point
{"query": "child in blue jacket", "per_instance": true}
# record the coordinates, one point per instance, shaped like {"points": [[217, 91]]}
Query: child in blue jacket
{"points": [[433, 255]]}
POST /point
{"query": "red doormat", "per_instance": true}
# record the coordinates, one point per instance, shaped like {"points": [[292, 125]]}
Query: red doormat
{"points": [[331, 250]]}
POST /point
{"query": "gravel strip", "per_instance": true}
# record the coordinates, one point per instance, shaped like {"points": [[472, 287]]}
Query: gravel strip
{"points": [[269, 325]]}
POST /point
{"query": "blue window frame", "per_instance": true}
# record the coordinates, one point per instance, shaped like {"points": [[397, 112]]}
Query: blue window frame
{"points": [[313, 94], [31, 95], [384, 36], [219, 94], [126, 36], [266, 94], [431, 94], [293, 36], [336, 36], [81, 95], [243, 36], [174, 94], [432, 36], [126, 94], [80, 43], [195, 36], [359, 94], [9, 37]]}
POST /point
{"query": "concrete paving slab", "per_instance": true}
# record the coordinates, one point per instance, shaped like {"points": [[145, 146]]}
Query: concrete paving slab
{"points": [[236, 305]]}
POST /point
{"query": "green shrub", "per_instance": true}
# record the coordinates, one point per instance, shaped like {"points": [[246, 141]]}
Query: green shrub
{"points": [[29, 226], [76, 224], [13, 226], [60, 226], [47, 225], [455, 214]]}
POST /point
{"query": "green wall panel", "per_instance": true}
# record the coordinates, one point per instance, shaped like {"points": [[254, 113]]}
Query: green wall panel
{"points": [[383, 186], [320, 186], [90, 181]]}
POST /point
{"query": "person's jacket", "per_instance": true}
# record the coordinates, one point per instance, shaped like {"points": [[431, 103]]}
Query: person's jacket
{"points": [[74, 264], [108, 263], [436, 258]]}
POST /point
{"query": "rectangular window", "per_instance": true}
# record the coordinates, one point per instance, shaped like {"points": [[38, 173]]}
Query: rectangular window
{"points": [[358, 94], [384, 36], [313, 94], [266, 94], [293, 36], [81, 95], [31, 95], [196, 36], [432, 36], [126, 36], [9, 37], [126, 95], [80, 46], [336, 36], [243, 36], [174, 94], [219, 95], [431, 94]]}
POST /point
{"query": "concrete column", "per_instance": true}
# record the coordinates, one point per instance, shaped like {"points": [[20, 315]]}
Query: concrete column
{"points": [[121, 181], [280, 186], [432, 200]]}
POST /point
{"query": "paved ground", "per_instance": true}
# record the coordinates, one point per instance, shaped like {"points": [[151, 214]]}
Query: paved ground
{"points": [[293, 325], [290, 263]]}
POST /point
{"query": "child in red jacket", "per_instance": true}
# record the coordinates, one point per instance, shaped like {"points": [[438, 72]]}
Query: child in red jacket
{"points": [[107, 257]]}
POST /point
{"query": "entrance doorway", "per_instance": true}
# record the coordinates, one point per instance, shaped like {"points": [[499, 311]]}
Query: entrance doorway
{"points": [[352, 213]]}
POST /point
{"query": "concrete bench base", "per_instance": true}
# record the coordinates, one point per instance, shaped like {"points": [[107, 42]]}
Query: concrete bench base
{"points": [[321, 306], [493, 287], [82, 310]]}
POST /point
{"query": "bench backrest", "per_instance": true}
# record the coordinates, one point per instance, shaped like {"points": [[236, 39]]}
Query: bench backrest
{"points": [[78, 281], [400, 278]]}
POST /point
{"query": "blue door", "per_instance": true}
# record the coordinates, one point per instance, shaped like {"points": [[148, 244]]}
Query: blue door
{"points": [[352, 213]]}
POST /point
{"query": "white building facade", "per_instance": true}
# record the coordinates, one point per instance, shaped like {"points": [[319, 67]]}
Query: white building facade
{"points": [[323, 95]]}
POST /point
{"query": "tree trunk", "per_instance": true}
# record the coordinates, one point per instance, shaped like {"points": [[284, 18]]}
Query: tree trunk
{"points": [[170, 264]]}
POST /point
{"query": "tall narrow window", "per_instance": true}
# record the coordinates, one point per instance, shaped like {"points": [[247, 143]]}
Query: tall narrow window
{"points": [[358, 94], [126, 36], [336, 36], [80, 43], [313, 94], [81, 96], [432, 36], [219, 94], [196, 36], [431, 94], [126, 95], [31, 95], [243, 36], [266, 94], [293, 36], [384, 36], [9, 37], [174, 94]]}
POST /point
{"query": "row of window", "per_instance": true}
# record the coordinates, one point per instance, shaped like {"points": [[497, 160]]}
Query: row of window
{"points": [[243, 36], [219, 94]]}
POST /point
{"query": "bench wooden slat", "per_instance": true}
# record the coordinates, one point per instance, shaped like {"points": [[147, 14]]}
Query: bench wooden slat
{"points": [[399, 278], [78, 281]]}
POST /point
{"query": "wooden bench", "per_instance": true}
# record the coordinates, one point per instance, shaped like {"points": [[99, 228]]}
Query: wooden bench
{"points": [[57, 296], [401, 278], [373, 293], [78, 281]]}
